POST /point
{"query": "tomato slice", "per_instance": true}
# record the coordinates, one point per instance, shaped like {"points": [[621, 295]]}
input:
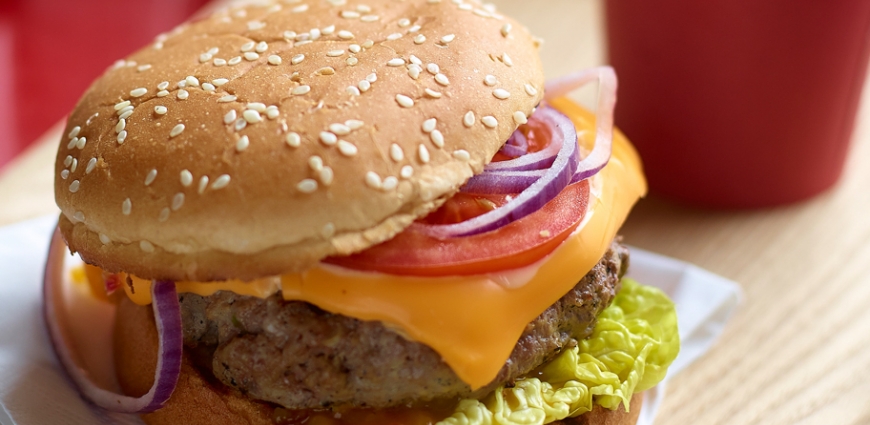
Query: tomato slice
{"points": [[517, 244]]}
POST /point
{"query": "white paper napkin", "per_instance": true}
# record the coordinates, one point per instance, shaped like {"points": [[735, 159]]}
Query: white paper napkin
{"points": [[34, 390]]}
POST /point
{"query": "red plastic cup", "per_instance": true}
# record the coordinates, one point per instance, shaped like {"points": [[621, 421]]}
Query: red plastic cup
{"points": [[739, 103]]}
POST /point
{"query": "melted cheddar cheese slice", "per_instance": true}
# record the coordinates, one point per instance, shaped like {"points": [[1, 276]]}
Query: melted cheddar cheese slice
{"points": [[473, 322]]}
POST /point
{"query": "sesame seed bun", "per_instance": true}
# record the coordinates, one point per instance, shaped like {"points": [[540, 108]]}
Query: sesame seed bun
{"points": [[200, 400], [253, 145]]}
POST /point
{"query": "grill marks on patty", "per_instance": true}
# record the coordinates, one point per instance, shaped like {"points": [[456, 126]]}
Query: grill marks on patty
{"points": [[296, 355]]}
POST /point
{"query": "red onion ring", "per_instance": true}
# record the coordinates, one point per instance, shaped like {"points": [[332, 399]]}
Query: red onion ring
{"points": [[516, 146], [502, 182], [167, 314], [533, 161], [545, 188]]}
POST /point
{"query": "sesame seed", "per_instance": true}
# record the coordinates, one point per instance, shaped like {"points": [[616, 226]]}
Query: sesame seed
{"points": [[105, 239], [91, 165], [252, 116], [81, 143], [75, 130], [373, 180], [345, 35], [352, 61], [121, 137], [315, 162], [186, 178], [74, 186], [506, 30], [220, 62], [126, 115], [326, 176], [242, 143], [74, 165], [349, 14], [220, 81], [299, 9], [465, 6], [339, 129], [396, 152], [354, 48], [67, 161], [429, 125], [213, 51], [328, 138], [353, 91], [433, 68], [406, 172], [247, 47], [79, 216], [326, 70], [177, 201], [221, 182], [227, 98], [419, 39], [297, 58], [448, 38], [482, 13], [138, 92], [461, 155], [146, 246], [122, 124], [531, 90], [507, 59], [394, 36], [370, 18], [372, 77], [432, 93], [368, 44], [520, 117], [252, 56], [162, 93], [404, 101], [364, 86], [404, 22], [272, 112], [293, 139], [274, 60], [209, 87], [203, 183], [118, 107], [160, 110], [415, 60], [307, 186], [501, 94], [314, 33], [126, 206], [346, 148], [414, 29], [334, 53], [354, 124], [178, 129], [125, 110], [423, 153], [490, 80], [149, 178], [256, 106], [162, 86], [191, 81], [442, 79], [328, 30], [240, 124], [437, 138], [396, 62], [164, 215], [414, 71], [489, 121], [235, 60], [182, 94], [468, 119], [262, 47], [300, 90], [390, 183]]}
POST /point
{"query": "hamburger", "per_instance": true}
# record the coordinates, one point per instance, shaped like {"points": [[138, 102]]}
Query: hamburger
{"points": [[333, 213]]}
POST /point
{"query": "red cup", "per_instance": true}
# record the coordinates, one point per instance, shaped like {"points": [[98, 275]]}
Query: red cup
{"points": [[739, 103]]}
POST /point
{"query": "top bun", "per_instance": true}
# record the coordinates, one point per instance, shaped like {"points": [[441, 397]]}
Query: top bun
{"points": [[265, 137]]}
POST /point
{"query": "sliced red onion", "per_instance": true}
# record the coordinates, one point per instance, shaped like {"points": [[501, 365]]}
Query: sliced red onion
{"points": [[516, 146], [167, 314], [533, 161], [607, 83], [502, 182], [545, 188]]}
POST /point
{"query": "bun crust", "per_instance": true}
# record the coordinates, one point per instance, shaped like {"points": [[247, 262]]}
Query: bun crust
{"points": [[198, 400], [222, 150]]}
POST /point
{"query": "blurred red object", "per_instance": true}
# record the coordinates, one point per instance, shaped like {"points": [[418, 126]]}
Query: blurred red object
{"points": [[51, 50]]}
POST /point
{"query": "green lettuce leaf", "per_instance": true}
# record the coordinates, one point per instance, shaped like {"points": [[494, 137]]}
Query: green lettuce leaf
{"points": [[634, 342]]}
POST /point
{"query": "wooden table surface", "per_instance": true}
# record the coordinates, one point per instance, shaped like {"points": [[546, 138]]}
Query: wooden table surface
{"points": [[798, 351]]}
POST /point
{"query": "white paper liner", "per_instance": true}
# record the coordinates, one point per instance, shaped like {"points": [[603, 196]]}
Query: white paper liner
{"points": [[34, 390]]}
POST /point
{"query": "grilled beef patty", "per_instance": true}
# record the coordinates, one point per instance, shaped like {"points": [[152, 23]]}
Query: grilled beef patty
{"points": [[296, 355]]}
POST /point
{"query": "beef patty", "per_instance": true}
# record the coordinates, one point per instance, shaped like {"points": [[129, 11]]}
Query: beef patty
{"points": [[299, 356]]}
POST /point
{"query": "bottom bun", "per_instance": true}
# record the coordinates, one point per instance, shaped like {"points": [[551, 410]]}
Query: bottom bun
{"points": [[202, 400]]}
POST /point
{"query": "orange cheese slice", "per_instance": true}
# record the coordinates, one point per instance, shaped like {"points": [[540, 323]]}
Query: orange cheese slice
{"points": [[473, 322]]}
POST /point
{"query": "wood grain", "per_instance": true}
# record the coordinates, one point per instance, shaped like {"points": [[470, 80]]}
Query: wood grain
{"points": [[798, 351]]}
